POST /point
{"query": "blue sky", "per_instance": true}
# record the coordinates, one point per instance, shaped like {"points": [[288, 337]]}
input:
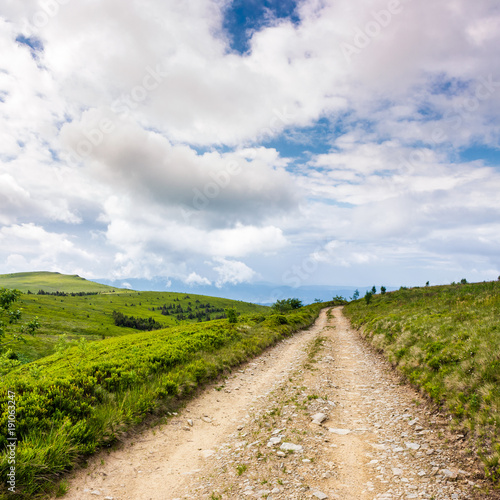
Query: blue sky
{"points": [[242, 18], [221, 143], [482, 153]]}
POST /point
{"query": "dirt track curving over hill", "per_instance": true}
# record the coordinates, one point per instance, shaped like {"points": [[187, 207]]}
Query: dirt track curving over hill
{"points": [[253, 436]]}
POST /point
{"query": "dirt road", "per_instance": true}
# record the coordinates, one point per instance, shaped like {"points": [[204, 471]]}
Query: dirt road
{"points": [[255, 437]]}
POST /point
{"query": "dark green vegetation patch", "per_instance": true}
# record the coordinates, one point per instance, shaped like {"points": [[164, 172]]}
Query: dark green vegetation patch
{"points": [[446, 340]]}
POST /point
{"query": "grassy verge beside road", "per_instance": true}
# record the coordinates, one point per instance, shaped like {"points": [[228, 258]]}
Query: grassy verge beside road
{"points": [[446, 340]]}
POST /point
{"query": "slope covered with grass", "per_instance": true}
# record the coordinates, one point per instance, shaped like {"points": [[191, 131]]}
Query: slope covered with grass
{"points": [[446, 340], [76, 308], [51, 282], [71, 403]]}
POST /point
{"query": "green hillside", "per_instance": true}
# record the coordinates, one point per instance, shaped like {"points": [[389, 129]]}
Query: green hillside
{"points": [[76, 308], [51, 282], [73, 402], [446, 340]]}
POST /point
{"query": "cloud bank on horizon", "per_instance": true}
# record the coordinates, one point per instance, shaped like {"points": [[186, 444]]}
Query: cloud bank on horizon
{"points": [[224, 142]]}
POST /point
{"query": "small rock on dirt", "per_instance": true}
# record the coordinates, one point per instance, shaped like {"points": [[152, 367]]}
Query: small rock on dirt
{"points": [[320, 495], [291, 447], [340, 432], [274, 440], [319, 418]]}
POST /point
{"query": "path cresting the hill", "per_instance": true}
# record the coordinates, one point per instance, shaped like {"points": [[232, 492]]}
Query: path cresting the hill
{"points": [[320, 416]]}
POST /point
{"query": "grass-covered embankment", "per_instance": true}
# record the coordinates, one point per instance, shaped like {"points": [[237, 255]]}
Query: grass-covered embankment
{"points": [[71, 403], [446, 340]]}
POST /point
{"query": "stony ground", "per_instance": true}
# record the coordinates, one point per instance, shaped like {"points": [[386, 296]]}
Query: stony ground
{"points": [[320, 416]]}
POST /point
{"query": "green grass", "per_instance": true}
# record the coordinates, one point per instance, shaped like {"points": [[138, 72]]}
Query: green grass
{"points": [[241, 468], [91, 316], [52, 282], [71, 403], [446, 340]]}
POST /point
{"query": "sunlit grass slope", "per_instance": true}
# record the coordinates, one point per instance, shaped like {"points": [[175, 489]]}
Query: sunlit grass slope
{"points": [[446, 340], [51, 282], [91, 316], [71, 403]]}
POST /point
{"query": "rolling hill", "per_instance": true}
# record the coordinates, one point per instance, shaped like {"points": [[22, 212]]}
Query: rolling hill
{"points": [[52, 282], [71, 308]]}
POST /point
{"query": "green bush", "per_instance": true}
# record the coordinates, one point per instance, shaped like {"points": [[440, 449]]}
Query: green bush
{"points": [[338, 300], [10, 316], [285, 305], [232, 315]]}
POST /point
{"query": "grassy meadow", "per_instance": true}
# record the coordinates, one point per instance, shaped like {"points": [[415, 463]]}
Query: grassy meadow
{"points": [[86, 394], [446, 340], [70, 318], [51, 282]]}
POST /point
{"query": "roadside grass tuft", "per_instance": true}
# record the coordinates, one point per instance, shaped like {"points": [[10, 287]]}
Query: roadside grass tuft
{"points": [[241, 468]]}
